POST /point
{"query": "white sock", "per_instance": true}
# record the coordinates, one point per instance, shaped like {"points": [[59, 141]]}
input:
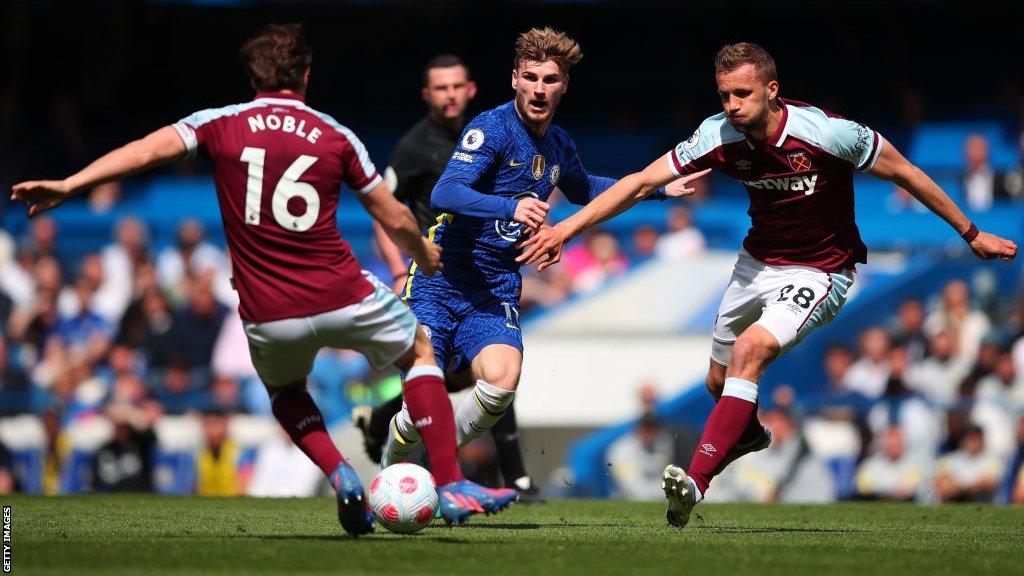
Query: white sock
{"points": [[697, 494], [403, 437], [479, 410]]}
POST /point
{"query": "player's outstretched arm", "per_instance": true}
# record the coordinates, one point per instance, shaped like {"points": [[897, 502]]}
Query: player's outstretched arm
{"points": [[892, 166], [159, 147], [615, 200], [400, 225]]}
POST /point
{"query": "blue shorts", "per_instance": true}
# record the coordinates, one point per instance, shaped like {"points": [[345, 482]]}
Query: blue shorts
{"points": [[463, 317]]}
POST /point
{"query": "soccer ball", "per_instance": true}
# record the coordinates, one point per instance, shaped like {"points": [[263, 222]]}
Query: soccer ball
{"points": [[403, 497]]}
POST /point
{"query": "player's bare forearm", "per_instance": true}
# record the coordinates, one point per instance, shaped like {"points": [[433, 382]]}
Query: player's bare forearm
{"points": [[620, 197], [157, 148], [892, 166], [389, 251], [394, 217]]}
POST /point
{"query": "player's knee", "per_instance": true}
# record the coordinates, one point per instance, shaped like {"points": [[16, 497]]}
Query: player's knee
{"points": [[754, 351]]}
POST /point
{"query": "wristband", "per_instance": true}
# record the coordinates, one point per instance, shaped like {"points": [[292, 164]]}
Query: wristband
{"points": [[971, 233]]}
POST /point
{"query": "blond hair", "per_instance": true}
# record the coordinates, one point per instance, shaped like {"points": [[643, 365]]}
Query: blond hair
{"points": [[540, 44], [732, 56]]}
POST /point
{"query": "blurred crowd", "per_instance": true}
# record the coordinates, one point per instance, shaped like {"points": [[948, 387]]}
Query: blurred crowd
{"points": [[927, 409], [128, 368]]}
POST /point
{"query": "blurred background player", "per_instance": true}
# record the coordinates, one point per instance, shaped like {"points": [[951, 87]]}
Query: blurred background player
{"points": [[277, 146], [494, 189], [416, 165], [797, 262]]}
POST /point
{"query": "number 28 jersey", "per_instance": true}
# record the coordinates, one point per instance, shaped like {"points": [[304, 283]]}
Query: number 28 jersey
{"points": [[278, 166]]}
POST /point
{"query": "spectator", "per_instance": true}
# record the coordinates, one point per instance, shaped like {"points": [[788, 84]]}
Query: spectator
{"points": [[102, 198], [121, 258], [938, 377], [7, 479], [1016, 480], [198, 325], [908, 331], [970, 474], [901, 407], [645, 241], [682, 241], [868, 375], [125, 463], [191, 257], [106, 298], [965, 325], [134, 328], [15, 390], [217, 463], [637, 460], [86, 336], [177, 390], [594, 261], [891, 473], [786, 471], [981, 183], [16, 271]]}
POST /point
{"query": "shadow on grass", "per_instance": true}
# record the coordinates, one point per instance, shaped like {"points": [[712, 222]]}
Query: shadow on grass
{"points": [[346, 539], [774, 529]]}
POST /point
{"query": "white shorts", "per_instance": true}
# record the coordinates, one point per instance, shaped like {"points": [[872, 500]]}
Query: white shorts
{"points": [[788, 301], [380, 326]]}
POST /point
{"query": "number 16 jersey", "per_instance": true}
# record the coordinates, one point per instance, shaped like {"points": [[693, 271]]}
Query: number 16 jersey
{"points": [[278, 166]]}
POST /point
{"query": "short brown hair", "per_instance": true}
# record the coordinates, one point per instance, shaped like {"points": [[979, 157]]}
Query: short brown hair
{"points": [[444, 61], [277, 57], [540, 44], [732, 56]]}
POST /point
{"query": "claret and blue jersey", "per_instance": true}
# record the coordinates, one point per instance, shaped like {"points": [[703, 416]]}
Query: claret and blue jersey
{"points": [[474, 300]]}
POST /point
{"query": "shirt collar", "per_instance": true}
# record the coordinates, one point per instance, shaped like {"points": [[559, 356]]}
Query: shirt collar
{"points": [[781, 132], [289, 97]]}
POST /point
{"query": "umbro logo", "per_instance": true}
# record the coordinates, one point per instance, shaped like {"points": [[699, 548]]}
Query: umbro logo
{"points": [[423, 422], [743, 164], [708, 449]]}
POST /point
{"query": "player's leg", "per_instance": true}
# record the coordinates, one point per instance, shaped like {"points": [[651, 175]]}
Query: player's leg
{"points": [[510, 458], [373, 422], [740, 307], [495, 369], [490, 337], [283, 353]]}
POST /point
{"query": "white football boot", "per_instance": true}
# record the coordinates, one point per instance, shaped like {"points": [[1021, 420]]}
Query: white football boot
{"points": [[681, 494]]}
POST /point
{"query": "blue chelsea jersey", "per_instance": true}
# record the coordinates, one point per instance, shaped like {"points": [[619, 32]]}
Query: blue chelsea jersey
{"points": [[497, 162]]}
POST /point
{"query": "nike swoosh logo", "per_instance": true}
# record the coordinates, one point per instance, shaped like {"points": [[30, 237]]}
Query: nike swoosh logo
{"points": [[514, 163]]}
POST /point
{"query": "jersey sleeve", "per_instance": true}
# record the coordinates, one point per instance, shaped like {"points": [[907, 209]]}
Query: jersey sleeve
{"points": [[696, 152], [194, 129], [853, 142], [480, 149], [359, 172]]}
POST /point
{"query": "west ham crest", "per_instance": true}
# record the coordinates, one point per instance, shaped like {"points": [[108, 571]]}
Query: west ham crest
{"points": [[538, 167], [799, 161]]}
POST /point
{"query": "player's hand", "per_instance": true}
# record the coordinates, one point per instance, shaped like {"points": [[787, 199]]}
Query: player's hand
{"points": [[531, 212], [678, 188], [547, 242], [988, 246], [428, 260], [41, 195]]}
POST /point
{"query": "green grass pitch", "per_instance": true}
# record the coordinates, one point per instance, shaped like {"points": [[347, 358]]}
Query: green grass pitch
{"points": [[167, 535]]}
